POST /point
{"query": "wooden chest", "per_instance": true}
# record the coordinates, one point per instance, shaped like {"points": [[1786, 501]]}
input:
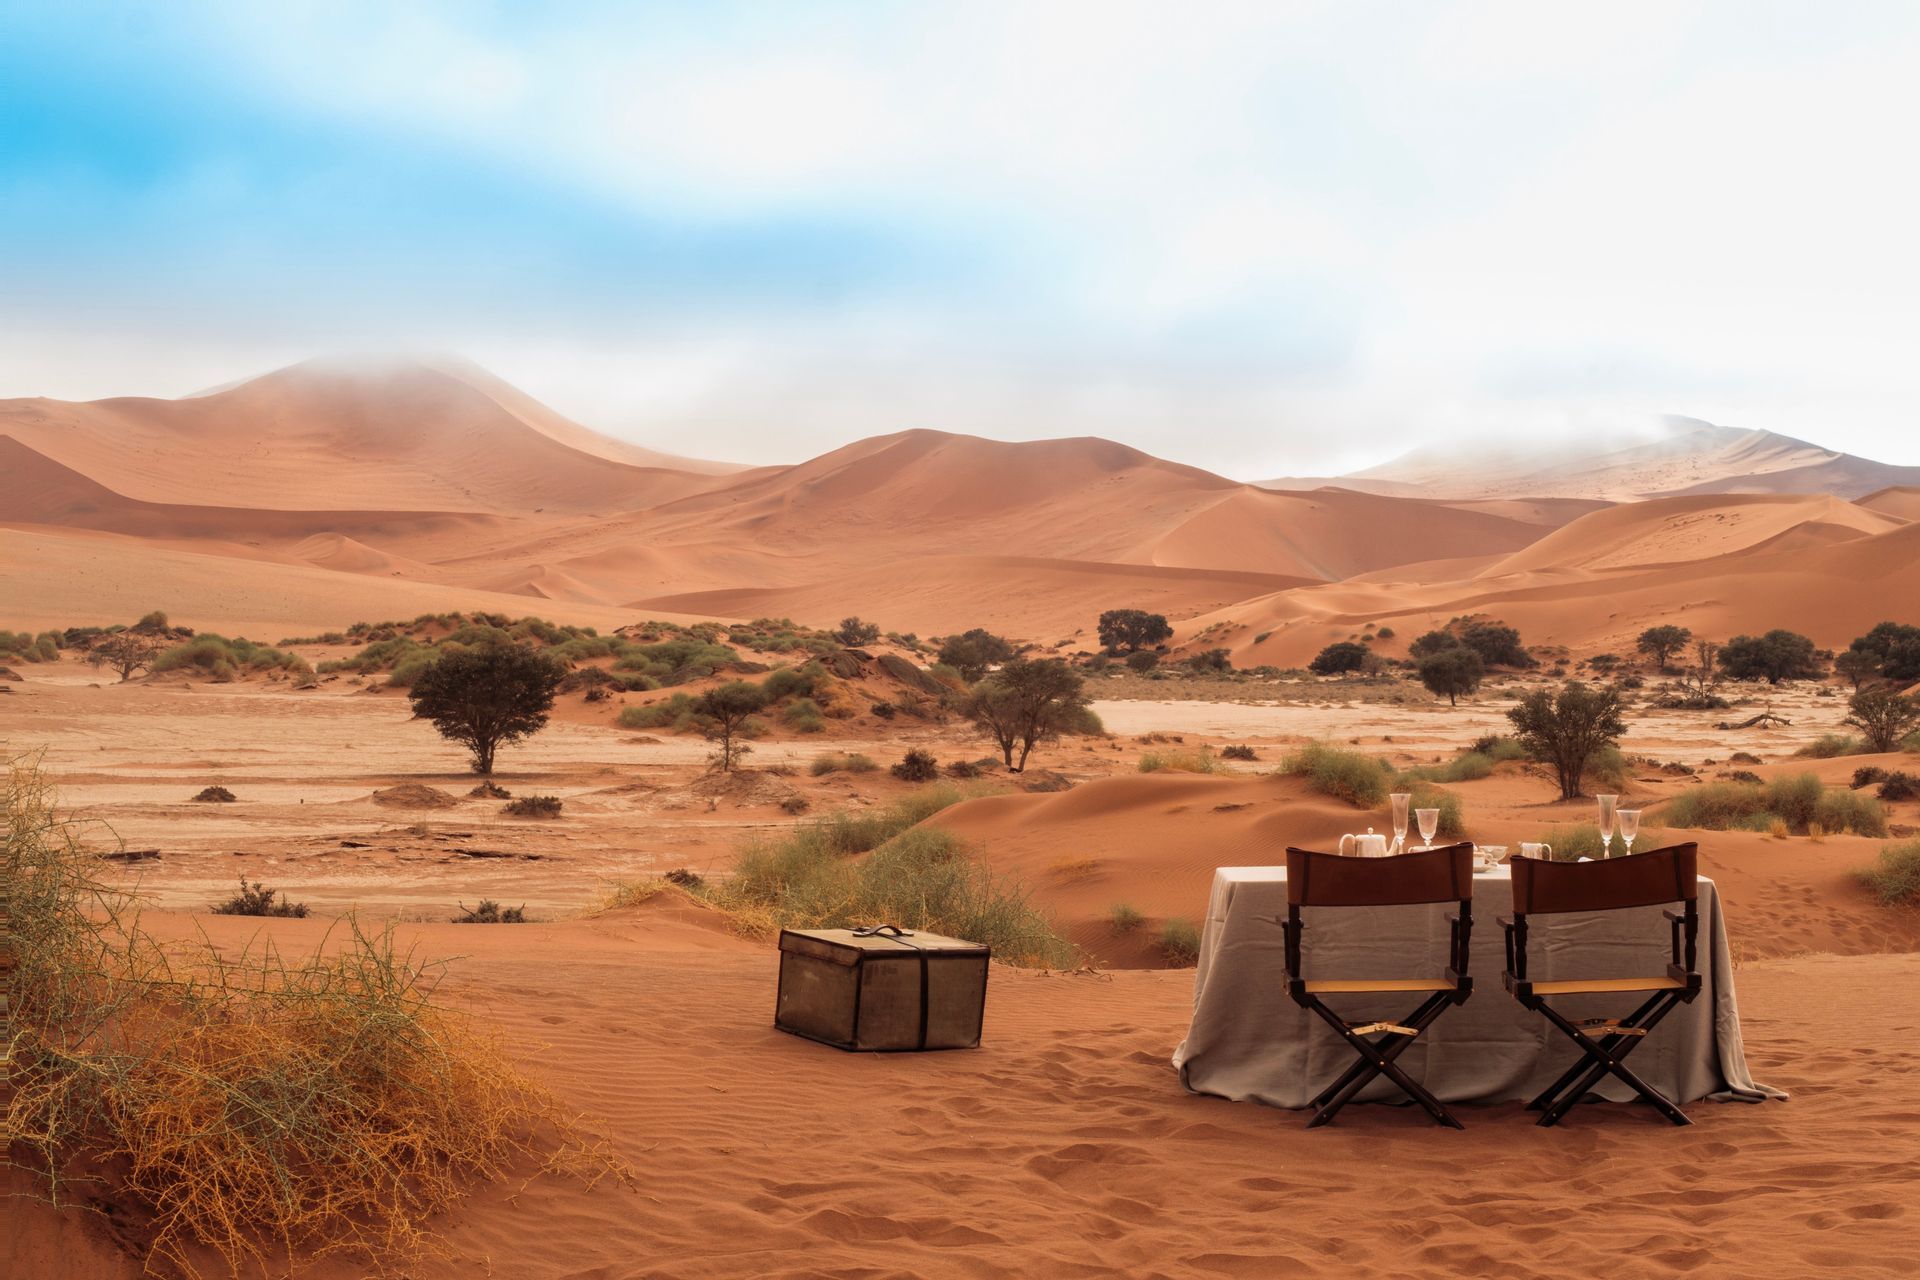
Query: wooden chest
{"points": [[884, 989]]}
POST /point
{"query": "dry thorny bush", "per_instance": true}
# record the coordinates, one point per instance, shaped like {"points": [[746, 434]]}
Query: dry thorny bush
{"points": [[257, 1107]]}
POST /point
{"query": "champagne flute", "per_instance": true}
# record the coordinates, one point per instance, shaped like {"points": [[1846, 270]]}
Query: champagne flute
{"points": [[1429, 824], [1401, 799], [1629, 827], [1607, 804]]}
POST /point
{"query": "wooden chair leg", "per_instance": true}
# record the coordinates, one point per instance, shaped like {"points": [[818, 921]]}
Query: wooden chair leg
{"points": [[1607, 1061], [1630, 1022], [1378, 1059]]}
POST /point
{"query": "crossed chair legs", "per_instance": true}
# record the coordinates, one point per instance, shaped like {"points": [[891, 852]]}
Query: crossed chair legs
{"points": [[1606, 1052], [1376, 1058]]}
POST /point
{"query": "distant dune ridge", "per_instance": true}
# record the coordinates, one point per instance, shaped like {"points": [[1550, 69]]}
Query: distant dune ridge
{"points": [[268, 500]]}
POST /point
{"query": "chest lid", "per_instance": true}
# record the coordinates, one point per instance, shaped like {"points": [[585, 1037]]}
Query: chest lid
{"points": [[845, 946]]}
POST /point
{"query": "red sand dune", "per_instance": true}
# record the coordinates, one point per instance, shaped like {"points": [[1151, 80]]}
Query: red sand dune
{"points": [[441, 474]]}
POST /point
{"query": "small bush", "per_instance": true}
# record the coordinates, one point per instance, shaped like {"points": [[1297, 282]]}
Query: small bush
{"points": [[1829, 745], [676, 713], [1358, 779], [533, 807], [803, 715], [918, 878], [1142, 662], [1895, 878], [842, 762], [964, 769], [1238, 751], [258, 900], [795, 805], [1201, 761], [491, 912], [1125, 919], [215, 795], [1180, 942], [1795, 803], [1570, 844], [689, 880], [487, 790], [1899, 786], [917, 766]]}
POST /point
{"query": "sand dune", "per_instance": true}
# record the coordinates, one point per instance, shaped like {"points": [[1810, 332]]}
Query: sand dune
{"points": [[441, 474], [407, 437], [1676, 530], [1691, 457]]}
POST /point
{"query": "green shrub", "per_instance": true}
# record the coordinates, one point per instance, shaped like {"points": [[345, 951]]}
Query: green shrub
{"points": [[1180, 942], [803, 715], [918, 878], [1797, 802], [1570, 844], [1125, 919], [1359, 779], [1428, 796], [1499, 748], [1895, 878], [1829, 745], [222, 659], [676, 713], [1201, 761], [842, 762]]}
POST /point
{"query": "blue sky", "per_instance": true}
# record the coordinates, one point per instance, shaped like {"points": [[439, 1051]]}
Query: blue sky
{"points": [[1265, 238]]}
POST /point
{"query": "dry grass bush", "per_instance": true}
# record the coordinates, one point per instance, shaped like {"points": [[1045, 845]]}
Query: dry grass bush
{"points": [[1358, 779], [1830, 745], [533, 807], [491, 912], [1201, 761], [1125, 918], [842, 762], [1895, 879], [214, 795], [1792, 804], [873, 867], [259, 1108], [1238, 751], [1180, 942], [257, 900]]}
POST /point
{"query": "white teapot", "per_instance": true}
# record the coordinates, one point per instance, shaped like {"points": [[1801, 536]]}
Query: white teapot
{"points": [[1369, 845]]}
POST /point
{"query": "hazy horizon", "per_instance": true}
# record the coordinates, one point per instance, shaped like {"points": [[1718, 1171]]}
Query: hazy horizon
{"points": [[1267, 240]]}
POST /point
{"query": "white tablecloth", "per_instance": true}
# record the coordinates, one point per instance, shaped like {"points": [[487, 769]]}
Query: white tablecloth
{"points": [[1250, 1042]]}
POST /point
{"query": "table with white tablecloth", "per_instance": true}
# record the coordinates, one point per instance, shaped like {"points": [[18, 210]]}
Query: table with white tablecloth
{"points": [[1250, 1042]]}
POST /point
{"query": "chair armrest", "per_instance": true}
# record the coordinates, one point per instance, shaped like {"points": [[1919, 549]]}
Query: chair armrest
{"points": [[1674, 916], [1505, 922]]}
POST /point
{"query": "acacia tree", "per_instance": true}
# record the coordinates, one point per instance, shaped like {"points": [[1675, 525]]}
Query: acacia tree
{"points": [[1705, 672], [1452, 672], [1340, 656], [1026, 702], [853, 632], [1894, 648], [486, 697], [1776, 656], [971, 653], [1856, 666], [126, 653], [1884, 716], [1567, 728], [1131, 630], [1661, 643], [725, 712]]}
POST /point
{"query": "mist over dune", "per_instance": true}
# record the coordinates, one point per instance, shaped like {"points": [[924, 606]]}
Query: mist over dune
{"points": [[437, 474]]}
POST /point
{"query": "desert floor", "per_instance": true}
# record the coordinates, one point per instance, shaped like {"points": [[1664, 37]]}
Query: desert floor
{"points": [[1065, 1145]]}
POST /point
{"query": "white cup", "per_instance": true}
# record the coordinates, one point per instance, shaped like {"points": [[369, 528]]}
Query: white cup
{"points": [[1531, 850]]}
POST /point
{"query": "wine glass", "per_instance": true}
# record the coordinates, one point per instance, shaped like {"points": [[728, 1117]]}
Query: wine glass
{"points": [[1607, 810], [1401, 799], [1629, 827], [1429, 824]]}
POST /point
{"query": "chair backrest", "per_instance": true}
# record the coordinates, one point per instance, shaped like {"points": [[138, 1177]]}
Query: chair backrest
{"points": [[1641, 880], [1329, 880]]}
